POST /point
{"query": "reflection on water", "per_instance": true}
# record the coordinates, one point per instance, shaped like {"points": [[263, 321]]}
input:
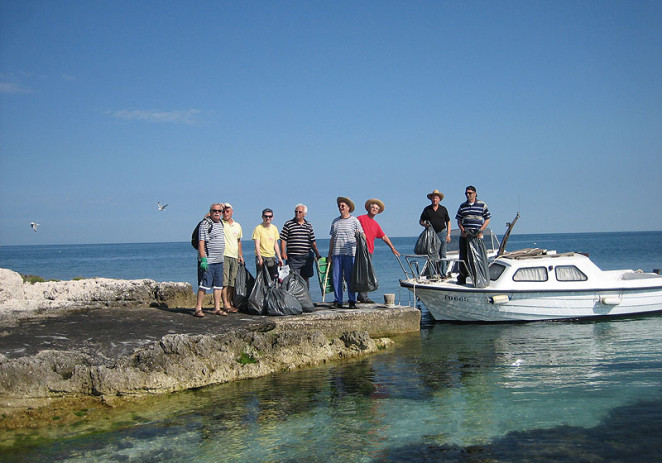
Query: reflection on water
{"points": [[562, 391]]}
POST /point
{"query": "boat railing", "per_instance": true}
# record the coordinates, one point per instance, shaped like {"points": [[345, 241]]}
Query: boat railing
{"points": [[423, 267]]}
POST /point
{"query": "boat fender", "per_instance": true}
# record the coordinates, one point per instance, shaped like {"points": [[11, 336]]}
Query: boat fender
{"points": [[499, 299], [610, 300]]}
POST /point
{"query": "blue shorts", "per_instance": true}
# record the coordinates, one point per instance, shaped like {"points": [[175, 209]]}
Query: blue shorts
{"points": [[212, 278]]}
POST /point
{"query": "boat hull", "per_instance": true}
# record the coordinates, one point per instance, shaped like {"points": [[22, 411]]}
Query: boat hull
{"points": [[452, 302]]}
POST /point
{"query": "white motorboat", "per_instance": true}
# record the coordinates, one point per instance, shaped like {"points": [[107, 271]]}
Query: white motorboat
{"points": [[534, 284]]}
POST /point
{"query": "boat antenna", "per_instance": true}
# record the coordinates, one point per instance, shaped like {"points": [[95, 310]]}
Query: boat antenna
{"points": [[510, 226]]}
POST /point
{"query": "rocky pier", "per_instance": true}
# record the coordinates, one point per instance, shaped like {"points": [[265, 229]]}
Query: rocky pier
{"points": [[108, 341]]}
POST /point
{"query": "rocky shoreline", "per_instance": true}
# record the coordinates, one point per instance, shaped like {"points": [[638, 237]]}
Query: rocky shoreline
{"points": [[109, 341], [19, 299]]}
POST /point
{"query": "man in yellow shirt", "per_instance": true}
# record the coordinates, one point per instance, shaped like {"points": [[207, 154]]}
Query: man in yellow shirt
{"points": [[267, 251], [232, 256]]}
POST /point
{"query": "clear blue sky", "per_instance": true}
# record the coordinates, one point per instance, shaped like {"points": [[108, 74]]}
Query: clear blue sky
{"points": [[552, 108]]}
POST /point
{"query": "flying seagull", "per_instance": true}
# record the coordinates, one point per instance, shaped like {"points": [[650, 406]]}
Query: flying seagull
{"points": [[161, 207], [34, 226]]}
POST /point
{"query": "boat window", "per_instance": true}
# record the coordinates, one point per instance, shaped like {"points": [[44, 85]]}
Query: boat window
{"points": [[496, 270], [569, 273], [531, 274]]}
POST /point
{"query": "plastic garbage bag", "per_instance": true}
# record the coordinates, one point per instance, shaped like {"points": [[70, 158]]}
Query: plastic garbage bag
{"points": [[255, 304], [243, 285], [477, 257], [428, 243], [283, 272], [279, 302], [364, 278], [297, 287]]}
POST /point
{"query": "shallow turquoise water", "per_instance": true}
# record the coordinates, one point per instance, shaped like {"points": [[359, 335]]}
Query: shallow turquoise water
{"points": [[578, 391]]}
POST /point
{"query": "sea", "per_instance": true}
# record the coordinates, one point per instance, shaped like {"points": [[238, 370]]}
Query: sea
{"points": [[572, 391]]}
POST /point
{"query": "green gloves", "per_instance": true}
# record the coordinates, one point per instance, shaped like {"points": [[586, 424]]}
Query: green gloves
{"points": [[203, 264]]}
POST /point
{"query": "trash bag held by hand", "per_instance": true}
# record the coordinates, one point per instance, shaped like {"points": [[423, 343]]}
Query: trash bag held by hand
{"points": [[256, 299], [243, 285], [280, 302], [364, 278], [428, 243], [296, 286], [477, 257]]}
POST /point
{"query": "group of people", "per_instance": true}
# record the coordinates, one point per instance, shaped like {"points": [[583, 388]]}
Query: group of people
{"points": [[220, 251]]}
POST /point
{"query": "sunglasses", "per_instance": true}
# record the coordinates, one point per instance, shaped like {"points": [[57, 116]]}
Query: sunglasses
{"points": [[216, 210], [267, 216]]}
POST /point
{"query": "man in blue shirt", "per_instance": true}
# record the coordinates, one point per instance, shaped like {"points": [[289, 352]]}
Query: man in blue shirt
{"points": [[472, 216]]}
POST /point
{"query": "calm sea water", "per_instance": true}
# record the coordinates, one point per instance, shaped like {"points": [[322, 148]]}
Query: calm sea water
{"points": [[546, 391]]}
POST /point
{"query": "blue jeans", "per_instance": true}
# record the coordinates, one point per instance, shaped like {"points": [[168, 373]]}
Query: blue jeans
{"points": [[442, 251], [342, 266]]}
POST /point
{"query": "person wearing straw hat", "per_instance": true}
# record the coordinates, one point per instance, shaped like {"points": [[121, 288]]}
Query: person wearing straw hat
{"points": [[342, 249], [373, 230], [436, 216]]}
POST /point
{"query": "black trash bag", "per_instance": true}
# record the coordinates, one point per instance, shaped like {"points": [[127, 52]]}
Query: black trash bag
{"points": [[428, 243], [477, 257], [297, 287], [280, 302], [262, 284], [364, 278], [243, 285]]}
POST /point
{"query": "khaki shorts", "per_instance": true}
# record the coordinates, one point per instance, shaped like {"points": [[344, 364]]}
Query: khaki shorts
{"points": [[230, 268]]}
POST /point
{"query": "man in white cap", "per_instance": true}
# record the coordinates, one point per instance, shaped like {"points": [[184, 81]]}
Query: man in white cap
{"points": [[373, 230], [232, 256], [436, 216]]}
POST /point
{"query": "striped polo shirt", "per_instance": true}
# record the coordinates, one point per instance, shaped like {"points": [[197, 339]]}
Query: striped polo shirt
{"points": [[299, 237], [214, 240], [472, 216]]}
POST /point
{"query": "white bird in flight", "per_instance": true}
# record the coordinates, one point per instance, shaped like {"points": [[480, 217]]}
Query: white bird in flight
{"points": [[34, 226], [161, 207]]}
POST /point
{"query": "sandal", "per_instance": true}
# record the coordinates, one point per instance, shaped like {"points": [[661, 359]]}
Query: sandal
{"points": [[230, 309], [198, 313], [220, 312]]}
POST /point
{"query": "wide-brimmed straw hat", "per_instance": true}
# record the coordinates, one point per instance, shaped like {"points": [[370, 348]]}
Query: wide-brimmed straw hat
{"points": [[342, 199], [374, 201], [436, 193]]}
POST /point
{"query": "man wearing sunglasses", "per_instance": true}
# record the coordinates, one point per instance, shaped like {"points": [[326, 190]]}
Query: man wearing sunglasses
{"points": [[342, 249], [472, 217], [211, 246], [297, 241], [267, 252]]}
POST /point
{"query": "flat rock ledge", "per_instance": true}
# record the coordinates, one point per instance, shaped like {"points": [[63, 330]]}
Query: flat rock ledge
{"points": [[168, 349], [19, 300]]}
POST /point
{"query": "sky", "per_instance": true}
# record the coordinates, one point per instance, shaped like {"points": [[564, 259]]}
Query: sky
{"points": [[552, 109]]}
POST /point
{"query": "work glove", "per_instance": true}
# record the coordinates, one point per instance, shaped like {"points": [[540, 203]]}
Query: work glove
{"points": [[203, 264]]}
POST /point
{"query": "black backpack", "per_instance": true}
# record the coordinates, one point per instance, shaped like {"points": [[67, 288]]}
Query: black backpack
{"points": [[196, 233]]}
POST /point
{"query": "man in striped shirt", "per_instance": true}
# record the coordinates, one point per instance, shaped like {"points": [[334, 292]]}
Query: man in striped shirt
{"points": [[342, 249], [297, 239], [211, 246], [472, 216]]}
